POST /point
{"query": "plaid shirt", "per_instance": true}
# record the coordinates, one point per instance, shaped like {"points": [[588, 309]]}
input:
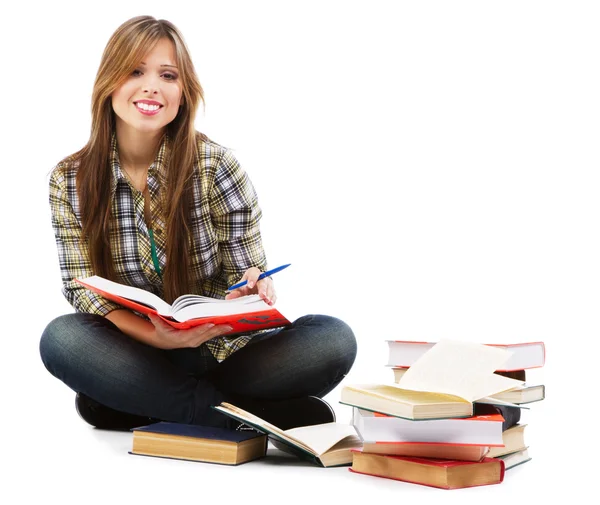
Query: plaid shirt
{"points": [[225, 232]]}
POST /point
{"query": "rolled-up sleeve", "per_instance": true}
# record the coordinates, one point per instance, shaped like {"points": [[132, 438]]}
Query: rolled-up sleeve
{"points": [[73, 252], [235, 215]]}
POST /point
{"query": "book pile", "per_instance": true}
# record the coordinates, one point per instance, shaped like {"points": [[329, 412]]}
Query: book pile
{"points": [[451, 417]]}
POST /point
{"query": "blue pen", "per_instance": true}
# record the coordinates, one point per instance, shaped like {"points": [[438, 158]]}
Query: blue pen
{"points": [[261, 276]]}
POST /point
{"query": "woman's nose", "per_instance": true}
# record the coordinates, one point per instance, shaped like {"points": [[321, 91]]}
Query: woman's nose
{"points": [[150, 84]]}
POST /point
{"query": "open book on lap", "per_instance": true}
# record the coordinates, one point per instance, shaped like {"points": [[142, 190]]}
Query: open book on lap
{"points": [[243, 314]]}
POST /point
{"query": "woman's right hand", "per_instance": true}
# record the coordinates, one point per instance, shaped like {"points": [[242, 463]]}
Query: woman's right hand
{"points": [[168, 337]]}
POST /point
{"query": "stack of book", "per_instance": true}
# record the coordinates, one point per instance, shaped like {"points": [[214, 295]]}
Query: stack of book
{"points": [[452, 424]]}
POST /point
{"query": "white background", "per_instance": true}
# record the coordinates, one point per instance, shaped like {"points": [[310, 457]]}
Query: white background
{"points": [[430, 169]]}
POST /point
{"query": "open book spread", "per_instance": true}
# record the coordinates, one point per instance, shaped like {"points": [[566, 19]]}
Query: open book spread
{"points": [[516, 397], [183, 308], [244, 313], [461, 369], [326, 444]]}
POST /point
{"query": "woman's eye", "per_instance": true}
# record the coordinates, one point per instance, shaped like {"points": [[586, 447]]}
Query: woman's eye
{"points": [[167, 75]]}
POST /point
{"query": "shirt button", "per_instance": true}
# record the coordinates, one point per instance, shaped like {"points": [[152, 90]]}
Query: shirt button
{"points": [[159, 231]]}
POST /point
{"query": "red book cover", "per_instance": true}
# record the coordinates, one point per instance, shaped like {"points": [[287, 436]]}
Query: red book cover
{"points": [[414, 470], [241, 323]]}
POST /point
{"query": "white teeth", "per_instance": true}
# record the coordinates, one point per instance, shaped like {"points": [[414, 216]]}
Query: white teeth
{"points": [[147, 107]]}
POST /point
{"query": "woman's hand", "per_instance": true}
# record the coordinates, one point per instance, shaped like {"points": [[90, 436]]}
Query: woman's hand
{"points": [[168, 337], [264, 288]]}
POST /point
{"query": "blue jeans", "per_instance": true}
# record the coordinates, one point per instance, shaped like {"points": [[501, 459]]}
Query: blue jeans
{"points": [[92, 356]]}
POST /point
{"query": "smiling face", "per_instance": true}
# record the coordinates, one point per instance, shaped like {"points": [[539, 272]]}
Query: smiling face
{"points": [[150, 97]]}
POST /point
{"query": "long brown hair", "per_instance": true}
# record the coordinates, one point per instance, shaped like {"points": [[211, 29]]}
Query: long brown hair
{"points": [[125, 49]]}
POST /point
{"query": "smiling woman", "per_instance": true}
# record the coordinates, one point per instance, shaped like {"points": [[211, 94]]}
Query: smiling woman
{"points": [[152, 203], [150, 91]]}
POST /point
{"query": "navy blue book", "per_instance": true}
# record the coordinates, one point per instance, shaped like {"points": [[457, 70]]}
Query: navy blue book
{"points": [[198, 443]]}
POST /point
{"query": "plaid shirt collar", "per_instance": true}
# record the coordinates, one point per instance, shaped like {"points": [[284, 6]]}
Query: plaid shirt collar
{"points": [[157, 167]]}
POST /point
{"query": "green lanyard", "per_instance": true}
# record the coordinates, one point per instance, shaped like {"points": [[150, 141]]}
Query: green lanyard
{"points": [[148, 218], [154, 255]]}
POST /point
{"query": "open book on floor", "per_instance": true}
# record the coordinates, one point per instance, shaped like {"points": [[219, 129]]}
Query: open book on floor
{"points": [[326, 444], [243, 314]]}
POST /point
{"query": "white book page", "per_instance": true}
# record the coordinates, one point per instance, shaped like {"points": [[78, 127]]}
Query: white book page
{"points": [[296, 436], [459, 368], [322, 437], [187, 300], [130, 292], [220, 309]]}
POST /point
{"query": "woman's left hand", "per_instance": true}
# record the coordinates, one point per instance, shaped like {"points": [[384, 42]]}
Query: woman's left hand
{"points": [[264, 288]]}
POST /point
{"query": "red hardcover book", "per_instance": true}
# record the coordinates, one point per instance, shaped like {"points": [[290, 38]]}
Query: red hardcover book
{"points": [[436, 450], [483, 430], [243, 314], [403, 353], [440, 473]]}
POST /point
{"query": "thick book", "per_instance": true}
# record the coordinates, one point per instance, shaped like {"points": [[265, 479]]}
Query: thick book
{"points": [[403, 353], [325, 445], [428, 450], [414, 405], [515, 458], [521, 395], [440, 473], [198, 443], [513, 440], [243, 314], [482, 430]]}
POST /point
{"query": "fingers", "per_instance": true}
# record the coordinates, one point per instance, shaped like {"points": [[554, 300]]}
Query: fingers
{"points": [[266, 290], [236, 293], [195, 337], [173, 338], [205, 332], [158, 322], [252, 275]]}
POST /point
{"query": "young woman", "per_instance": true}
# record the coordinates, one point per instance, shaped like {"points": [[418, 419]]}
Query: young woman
{"points": [[152, 203]]}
